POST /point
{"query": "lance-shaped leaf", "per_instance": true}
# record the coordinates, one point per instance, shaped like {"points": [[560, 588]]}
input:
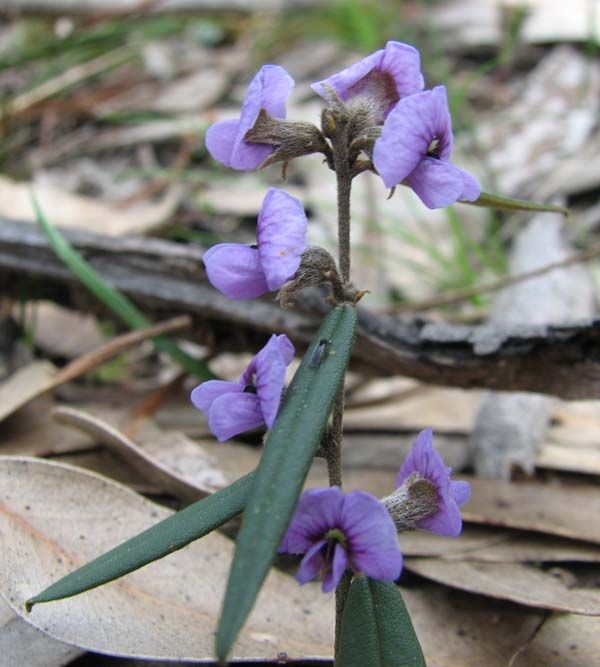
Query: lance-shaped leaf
{"points": [[376, 628], [487, 200], [163, 538], [120, 305], [284, 464]]}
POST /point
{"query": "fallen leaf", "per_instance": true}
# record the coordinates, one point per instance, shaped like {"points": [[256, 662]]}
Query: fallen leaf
{"points": [[487, 544], [22, 644], [25, 384], [77, 211], [522, 584]]}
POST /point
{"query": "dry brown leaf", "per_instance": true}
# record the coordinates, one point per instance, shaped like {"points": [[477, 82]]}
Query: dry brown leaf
{"points": [[55, 517], [583, 460], [22, 644], [523, 584], [168, 460], [77, 211], [487, 544], [564, 639], [25, 384], [557, 509]]}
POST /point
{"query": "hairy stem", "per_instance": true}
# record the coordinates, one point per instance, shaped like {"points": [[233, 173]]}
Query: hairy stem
{"points": [[344, 184]]}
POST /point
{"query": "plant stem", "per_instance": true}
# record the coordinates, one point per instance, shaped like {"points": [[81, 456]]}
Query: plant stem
{"points": [[334, 458]]}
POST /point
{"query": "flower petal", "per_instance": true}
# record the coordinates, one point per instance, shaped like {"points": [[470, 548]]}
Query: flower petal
{"points": [[317, 512], [471, 188], [220, 140], [281, 236], [372, 539], [335, 569], [460, 491], [269, 90], [437, 183], [417, 459], [234, 269], [403, 63], [267, 373], [231, 414], [447, 521], [312, 563], [343, 81], [407, 134], [204, 394]]}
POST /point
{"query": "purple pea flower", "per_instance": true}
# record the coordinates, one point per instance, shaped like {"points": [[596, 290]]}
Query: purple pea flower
{"points": [[336, 532], [415, 146], [269, 90], [234, 407], [385, 76], [245, 272], [425, 461]]}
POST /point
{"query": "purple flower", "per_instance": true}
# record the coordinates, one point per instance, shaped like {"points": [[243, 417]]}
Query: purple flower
{"points": [[385, 76], [268, 90], [234, 407], [244, 272], [424, 460], [415, 146], [336, 532]]}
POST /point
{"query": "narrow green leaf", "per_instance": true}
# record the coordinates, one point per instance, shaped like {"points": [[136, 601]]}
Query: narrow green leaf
{"points": [[284, 464], [488, 200], [159, 540], [376, 628], [113, 299]]}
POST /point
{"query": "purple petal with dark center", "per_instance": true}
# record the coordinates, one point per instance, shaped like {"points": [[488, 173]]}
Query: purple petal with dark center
{"points": [[408, 132], [270, 376], [343, 81], [317, 512], [403, 63], [312, 563], [231, 414], [335, 569], [234, 269], [372, 538], [204, 394], [279, 342], [437, 183], [281, 236]]}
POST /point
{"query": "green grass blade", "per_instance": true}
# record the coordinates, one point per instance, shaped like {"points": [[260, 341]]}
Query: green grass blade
{"points": [[284, 464], [165, 537], [376, 628], [113, 299], [488, 200]]}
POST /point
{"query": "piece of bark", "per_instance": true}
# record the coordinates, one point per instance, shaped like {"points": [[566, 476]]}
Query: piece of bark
{"points": [[510, 427], [166, 278]]}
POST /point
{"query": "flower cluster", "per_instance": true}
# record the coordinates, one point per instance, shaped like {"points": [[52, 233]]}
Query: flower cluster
{"points": [[357, 531], [404, 130]]}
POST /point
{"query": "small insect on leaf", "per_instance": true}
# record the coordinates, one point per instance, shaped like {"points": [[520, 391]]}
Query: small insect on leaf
{"points": [[317, 356]]}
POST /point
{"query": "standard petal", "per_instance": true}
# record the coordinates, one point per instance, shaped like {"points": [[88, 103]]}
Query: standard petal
{"points": [[312, 563], [233, 414], [403, 63], [460, 491], [281, 236], [372, 538], [269, 89], [279, 342], [234, 269], [471, 188], [335, 569], [286, 347], [220, 140], [270, 376], [204, 394], [437, 183], [418, 457], [342, 82], [317, 512]]}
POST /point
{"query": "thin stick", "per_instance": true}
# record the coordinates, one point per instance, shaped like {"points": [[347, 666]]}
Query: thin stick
{"points": [[115, 346], [464, 293]]}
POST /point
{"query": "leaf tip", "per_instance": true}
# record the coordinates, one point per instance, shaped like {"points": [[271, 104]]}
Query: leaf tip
{"points": [[29, 604]]}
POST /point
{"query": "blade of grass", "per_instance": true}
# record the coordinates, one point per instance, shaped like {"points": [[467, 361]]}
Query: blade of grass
{"points": [[118, 303]]}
